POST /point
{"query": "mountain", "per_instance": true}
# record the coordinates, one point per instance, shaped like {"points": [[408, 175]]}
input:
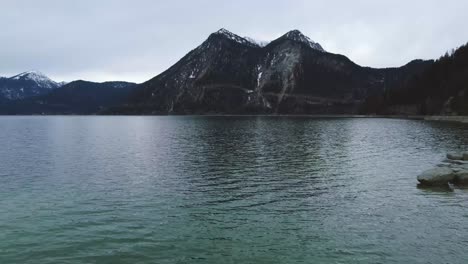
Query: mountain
{"points": [[78, 97], [229, 74], [297, 36], [25, 85], [442, 89]]}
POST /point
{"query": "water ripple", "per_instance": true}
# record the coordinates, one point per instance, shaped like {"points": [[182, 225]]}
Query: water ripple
{"points": [[227, 190]]}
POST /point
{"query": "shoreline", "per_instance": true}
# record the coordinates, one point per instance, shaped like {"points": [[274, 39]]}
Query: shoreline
{"points": [[454, 119]]}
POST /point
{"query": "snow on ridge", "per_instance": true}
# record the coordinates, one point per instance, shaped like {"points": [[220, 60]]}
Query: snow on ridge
{"points": [[257, 42], [296, 35], [236, 38], [31, 75], [41, 79]]}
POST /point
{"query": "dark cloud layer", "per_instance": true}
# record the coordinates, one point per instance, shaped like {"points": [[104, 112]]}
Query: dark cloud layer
{"points": [[136, 40]]}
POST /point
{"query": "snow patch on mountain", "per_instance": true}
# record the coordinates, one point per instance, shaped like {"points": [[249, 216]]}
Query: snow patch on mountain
{"points": [[260, 74]]}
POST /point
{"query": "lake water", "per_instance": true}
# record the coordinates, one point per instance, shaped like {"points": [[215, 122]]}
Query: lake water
{"points": [[227, 190]]}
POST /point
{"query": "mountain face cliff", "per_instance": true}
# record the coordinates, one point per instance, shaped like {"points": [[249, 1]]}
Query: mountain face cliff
{"points": [[229, 74], [78, 97], [26, 84]]}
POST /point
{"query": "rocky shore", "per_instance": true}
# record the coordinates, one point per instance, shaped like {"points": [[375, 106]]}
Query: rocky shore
{"points": [[453, 170], [458, 119]]}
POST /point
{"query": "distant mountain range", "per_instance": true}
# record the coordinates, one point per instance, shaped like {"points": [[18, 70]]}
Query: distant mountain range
{"points": [[229, 74], [78, 97]]}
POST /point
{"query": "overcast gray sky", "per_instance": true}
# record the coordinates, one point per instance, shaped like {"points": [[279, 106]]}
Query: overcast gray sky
{"points": [[101, 40]]}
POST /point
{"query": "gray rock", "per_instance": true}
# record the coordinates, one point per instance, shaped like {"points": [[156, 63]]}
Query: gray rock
{"points": [[461, 177], [437, 177], [455, 156], [457, 167], [465, 156]]}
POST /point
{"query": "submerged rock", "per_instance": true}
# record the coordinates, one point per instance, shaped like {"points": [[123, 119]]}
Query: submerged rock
{"points": [[455, 156], [437, 177], [458, 162], [465, 156], [456, 169], [461, 177]]}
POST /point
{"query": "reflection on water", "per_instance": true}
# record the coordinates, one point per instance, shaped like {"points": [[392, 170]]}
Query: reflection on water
{"points": [[227, 190]]}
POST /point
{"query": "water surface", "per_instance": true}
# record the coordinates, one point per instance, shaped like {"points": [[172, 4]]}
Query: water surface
{"points": [[227, 190]]}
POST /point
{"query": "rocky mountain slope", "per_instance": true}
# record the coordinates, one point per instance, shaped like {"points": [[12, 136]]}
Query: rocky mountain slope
{"points": [[229, 74]]}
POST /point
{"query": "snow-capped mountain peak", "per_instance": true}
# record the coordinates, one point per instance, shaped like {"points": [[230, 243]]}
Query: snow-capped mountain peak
{"points": [[35, 76], [228, 34], [26, 84], [296, 35]]}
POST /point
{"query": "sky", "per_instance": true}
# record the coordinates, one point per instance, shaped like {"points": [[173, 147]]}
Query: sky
{"points": [[135, 40]]}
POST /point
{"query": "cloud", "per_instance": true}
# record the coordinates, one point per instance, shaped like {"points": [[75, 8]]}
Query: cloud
{"points": [[136, 40]]}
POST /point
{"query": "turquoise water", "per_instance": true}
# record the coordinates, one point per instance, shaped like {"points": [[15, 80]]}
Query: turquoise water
{"points": [[227, 190]]}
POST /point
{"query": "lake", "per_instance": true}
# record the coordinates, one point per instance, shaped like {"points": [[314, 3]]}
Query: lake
{"points": [[227, 190]]}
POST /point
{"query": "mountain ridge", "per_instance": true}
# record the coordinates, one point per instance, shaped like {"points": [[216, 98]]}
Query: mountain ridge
{"points": [[77, 97], [291, 75], [229, 74]]}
